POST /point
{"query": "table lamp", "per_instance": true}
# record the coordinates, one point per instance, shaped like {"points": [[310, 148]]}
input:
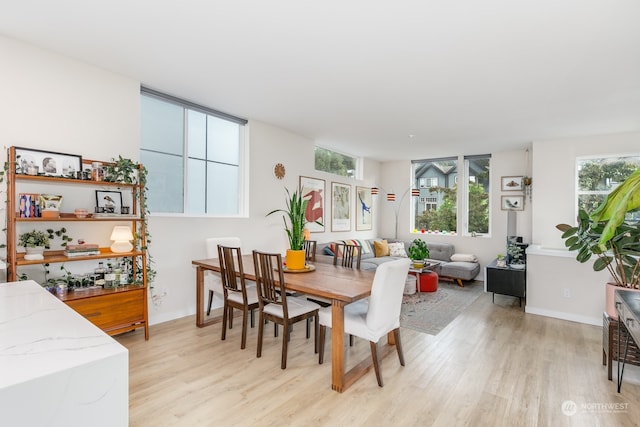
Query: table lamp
{"points": [[121, 236]]}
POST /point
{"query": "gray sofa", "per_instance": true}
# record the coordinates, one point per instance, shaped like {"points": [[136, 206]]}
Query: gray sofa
{"points": [[458, 271]]}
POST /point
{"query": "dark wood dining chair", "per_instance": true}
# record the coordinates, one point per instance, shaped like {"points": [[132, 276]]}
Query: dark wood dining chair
{"points": [[346, 255], [236, 292], [212, 281], [274, 303], [376, 318], [309, 247]]}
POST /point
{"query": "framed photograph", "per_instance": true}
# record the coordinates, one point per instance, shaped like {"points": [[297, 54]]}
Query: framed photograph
{"points": [[312, 189], [364, 218], [108, 202], [340, 207], [512, 183], [512, 203], [38, 162]]}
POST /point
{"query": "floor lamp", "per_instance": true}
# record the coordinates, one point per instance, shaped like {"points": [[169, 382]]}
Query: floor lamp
{"points": [[391, 197]]}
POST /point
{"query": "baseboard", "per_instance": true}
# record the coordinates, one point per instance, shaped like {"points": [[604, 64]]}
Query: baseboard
{"points": [[596, 321]]}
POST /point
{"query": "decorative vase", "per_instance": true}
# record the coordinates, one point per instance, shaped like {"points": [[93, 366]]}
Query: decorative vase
{"points": [[34, 253], [610, 299], [295, 259], [501, 263]]}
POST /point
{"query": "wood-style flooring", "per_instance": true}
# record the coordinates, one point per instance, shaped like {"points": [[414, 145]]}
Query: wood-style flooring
{"points": [[494, 365]]}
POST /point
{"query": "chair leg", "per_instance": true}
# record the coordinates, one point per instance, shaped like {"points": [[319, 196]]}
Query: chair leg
{"points": [[260, 330], [323, 330], [350, 340], [275, 329], [230, 309], [243, 342], [253, 323], [376, 361], [308, 327], [210, 302], [285, 342], [315, 333], [225, 313], [396, 337]]}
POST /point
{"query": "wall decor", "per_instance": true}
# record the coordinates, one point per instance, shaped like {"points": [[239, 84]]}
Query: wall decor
{"points": [[512, 203], [108, 202], [49, 163], [340, 207], [279, 171], [512, 183], [312, 189], [364, 216]]}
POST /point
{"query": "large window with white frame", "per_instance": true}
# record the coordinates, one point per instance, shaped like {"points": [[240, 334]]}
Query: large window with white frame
{"points": [[598, 176], [193, 155], [440, 181]]}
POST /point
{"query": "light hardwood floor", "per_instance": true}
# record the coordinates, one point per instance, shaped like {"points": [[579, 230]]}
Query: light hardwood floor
{"points": [[492, 366]]}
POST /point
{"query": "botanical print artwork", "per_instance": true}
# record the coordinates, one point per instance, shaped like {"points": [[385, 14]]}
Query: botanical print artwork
{"points": [[340, 203]]}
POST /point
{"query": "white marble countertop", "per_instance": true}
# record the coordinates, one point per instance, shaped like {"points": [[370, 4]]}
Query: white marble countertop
{"points": [[40, 335]]}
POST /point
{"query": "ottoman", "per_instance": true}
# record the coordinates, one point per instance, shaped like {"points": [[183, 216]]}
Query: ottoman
{"points": [[428, 281]]}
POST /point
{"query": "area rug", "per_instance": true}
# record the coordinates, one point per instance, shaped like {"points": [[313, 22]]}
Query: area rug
{"points": [[431, 312]]}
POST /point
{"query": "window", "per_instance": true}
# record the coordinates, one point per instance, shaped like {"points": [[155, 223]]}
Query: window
{"points": [[193, 155], [439, 182], [597, 177], [336, 163]]}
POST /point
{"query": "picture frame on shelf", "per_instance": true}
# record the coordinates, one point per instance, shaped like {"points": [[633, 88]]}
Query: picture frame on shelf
{"points": [[340, 207], [108, 202], [30, 161], [511, 183], [364, 216], [512, 203], [312, 189]]}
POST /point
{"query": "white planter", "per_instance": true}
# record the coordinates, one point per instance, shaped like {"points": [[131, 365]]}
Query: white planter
{"points": [[34, 253]]}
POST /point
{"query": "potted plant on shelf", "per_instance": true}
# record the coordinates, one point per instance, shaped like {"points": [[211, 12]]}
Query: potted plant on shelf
{"points": [[418, 252], [295, 213], [501, 261], [516, 259], [34, 243], [614, 240]]}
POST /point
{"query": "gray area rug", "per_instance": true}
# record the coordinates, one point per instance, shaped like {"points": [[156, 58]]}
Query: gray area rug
{"points": [[431, 312]]}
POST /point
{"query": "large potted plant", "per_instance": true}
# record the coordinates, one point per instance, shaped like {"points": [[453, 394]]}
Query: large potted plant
{"points": [[614, 240], [294, 223]]}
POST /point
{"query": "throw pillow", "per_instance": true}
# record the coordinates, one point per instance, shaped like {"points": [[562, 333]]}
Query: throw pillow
{"points": [[397, 249], [328, 251], [464, 257], [381, 248]]}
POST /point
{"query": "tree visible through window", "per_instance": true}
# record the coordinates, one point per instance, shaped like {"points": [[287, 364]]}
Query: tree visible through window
{"points": [[597, 177], [336, 163]]}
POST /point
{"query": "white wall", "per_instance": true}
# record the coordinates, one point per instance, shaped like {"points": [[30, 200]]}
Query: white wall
{"points": [[55, 103], [551, 271]]}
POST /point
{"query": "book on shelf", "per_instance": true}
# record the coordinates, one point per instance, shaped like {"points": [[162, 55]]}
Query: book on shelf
{"points": [[82, 247], [80, 253]]}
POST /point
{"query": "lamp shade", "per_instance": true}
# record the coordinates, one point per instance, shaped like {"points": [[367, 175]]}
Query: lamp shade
{"points": [[391, 197], [375, 191], [121, 236]]}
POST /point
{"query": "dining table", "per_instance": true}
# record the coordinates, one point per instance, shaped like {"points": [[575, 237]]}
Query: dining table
{"points": [[340, 285]]}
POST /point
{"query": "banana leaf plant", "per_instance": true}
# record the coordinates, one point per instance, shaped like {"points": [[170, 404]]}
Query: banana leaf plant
{"points": [[605, 234]]}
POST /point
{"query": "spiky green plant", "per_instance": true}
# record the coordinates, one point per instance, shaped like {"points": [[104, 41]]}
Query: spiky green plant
{"points": [[295, 213]]}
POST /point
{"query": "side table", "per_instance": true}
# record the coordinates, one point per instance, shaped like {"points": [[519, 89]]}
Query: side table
{"points": [[610, 344]]}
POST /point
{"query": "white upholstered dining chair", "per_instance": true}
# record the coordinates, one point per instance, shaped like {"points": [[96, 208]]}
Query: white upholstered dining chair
{"points": [[374, 318]]}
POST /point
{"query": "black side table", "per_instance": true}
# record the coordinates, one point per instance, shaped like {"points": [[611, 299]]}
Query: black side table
{"points": [[506, 281]]}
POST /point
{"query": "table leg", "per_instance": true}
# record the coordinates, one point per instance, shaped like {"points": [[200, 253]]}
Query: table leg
{"points": [[418, 273], [200, 297], [337, 346]]}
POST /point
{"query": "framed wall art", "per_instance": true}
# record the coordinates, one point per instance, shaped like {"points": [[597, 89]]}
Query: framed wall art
{"points": [[340, 207], [49, 163], [108, 202], [312, 189], [512, 183], [512, 203], [364, 216]]}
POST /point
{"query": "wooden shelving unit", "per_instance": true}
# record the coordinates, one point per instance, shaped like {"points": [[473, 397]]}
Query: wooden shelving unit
{"points": [[113, 310]]}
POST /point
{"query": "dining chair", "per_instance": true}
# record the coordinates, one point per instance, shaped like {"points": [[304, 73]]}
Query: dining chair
{"points": [[375, 318], [309, 247], [236, 293], [345, 255], [276, 305], [212, 281]]}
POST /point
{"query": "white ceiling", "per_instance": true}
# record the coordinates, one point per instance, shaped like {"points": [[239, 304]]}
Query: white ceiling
{"points": [[462, 76]]}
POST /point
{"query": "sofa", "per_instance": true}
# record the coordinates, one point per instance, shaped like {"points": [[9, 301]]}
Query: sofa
{"points": [[456, 267]]}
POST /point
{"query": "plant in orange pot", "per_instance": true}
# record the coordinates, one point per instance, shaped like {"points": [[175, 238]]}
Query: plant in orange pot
{"points": [[295, 213], [611, 233]]}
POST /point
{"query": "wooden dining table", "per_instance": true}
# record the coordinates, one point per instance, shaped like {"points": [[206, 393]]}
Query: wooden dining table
{"points": [[339, 284]]}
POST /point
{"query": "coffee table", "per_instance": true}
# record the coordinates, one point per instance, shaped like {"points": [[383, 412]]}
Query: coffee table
{"points": [[429, 266]]}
